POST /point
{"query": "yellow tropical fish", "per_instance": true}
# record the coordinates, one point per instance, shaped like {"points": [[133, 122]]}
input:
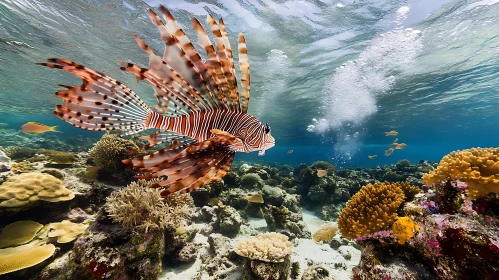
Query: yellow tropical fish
{"points": [[400, 146], [391, 133], [256, 198], [36, 128], [321, 173], [373, 156], [389, 152], [213, 201], [290, 152]]}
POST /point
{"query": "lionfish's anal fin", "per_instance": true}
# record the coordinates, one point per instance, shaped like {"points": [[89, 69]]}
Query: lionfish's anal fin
{"points": [[192, 167]]}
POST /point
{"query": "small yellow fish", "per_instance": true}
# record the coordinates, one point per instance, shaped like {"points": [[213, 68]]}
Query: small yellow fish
{"points": [[256, 198], [391, 133], [373, 156], [400, 146], [290, 152], [36, 128], [396, 140], [389, 152], [321, 173]]}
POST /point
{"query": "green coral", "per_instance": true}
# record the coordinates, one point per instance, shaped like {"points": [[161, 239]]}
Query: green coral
{"points": [[138, 207], [251, 180]]}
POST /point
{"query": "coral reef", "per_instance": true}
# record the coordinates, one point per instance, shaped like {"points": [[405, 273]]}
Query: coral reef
{"points": [[251, 181], [404, 229], [138, 207], [17, 258], [478, 167], [21, 191], [372, 209], [315, 272], [18, 233], [66, 231], [289, 223]]}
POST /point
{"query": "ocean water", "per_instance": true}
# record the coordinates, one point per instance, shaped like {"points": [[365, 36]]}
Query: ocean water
{"points": [[351, 65], [330, 77]]}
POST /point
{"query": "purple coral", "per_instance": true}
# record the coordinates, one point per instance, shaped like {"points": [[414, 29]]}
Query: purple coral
{"points": [[459, 185], [431, 206]]}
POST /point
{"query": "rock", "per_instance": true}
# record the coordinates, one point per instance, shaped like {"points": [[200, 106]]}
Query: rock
{"points": [[219, 244], [316, 272], [273, 195], [188, 253], [229, 220], [255, 269]]}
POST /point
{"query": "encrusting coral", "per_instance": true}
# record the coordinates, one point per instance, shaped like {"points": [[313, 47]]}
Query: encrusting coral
{"points": [[17, 258], [267, 247], [404, 229], [18, 233], [143, 208], [479, 167], [372, 209], [26, 188], [326, 233], [66, 231]]}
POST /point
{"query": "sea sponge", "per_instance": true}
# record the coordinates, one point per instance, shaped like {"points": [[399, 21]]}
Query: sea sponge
{"points": [[18, 233], [268, 247], [66, 231], [26, 188], [326, 233], [479, 167], [372, 209], [404, 229], [143, 208], [17, 258], [108, 152]]}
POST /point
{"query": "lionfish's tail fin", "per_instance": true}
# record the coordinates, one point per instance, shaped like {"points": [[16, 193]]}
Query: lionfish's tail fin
{"points": [[100, 102], [189, 168]]}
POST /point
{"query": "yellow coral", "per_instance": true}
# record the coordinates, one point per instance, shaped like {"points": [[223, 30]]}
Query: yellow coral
{"points": [[325, 233], [25, 188], [409, 190], [372, 209], [267, 247], [66, 231], [404, 229], [478, 167], [18, 233], [17, 258]]}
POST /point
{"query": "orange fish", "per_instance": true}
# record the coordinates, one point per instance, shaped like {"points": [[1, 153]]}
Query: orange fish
{"points": [[321, 173], [389, 152], [373, 156], [391, 133], [36, 128], [400, 146], [290, 152]]}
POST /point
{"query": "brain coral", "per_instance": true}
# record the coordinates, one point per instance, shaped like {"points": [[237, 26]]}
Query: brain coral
{"points": [[267, 247], [479, 167], [372, 209], [26, 188], [108, 152], [143, 208]]}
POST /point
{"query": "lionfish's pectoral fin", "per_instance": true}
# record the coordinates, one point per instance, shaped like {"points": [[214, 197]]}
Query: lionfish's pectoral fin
{"points": [[159, 137], [189, 168]]}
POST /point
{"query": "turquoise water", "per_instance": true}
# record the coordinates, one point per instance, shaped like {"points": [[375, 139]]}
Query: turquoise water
{"points": [[436, 83]]}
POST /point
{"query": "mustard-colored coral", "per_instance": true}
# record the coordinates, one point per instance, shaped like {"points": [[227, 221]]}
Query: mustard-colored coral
{"points": [[18, 233], [143, 208], [326, 233], [372, 209], [108, 152], [267, 247], [478, 167], [404, 229], [66, 231], [409, 190], [17, 258], [26, 188]]}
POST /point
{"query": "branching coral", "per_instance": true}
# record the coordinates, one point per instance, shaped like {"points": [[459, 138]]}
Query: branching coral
{"points": [[409, 190], [372, 209], [479, 167], [26, 188], [267, 247], [139, 207], [110, 150]]}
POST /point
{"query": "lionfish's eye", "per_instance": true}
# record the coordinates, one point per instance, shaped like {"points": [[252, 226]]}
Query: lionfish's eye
{"points": [[266, 128]]}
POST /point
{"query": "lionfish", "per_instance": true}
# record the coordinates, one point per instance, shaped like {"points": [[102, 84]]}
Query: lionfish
{"points": [[200, 110]]}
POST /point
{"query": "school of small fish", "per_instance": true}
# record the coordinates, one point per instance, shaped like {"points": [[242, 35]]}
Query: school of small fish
{"points": [[395, 145]]}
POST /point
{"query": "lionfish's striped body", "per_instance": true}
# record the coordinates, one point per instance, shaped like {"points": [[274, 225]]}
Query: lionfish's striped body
{"points": [[200, 110]]}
